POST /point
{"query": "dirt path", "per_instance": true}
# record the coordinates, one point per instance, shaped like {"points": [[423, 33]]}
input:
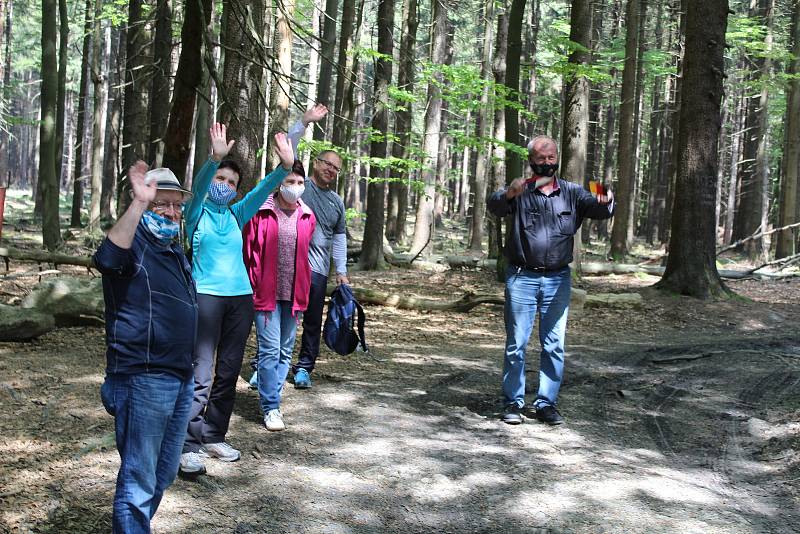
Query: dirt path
{"points": [[413, 443]]}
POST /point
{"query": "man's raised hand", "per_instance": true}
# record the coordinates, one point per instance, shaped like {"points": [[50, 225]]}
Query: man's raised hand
{"points": [[516, 188], [314, 114], [220, 147], [143, 191]]}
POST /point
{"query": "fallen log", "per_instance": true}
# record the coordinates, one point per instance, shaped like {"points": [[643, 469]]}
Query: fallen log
{"points": [[470, 262], [44, 256], [464, 304]]}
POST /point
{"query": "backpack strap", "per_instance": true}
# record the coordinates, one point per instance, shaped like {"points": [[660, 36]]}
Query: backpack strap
{"points": [[361, 319]]}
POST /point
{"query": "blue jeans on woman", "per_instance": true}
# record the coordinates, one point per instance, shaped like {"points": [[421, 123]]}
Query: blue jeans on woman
{"points": [[276, 333], [527, 292], [151, 411]]}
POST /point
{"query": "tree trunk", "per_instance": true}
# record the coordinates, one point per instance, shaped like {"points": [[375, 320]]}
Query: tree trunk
{"points": [[738, 124], [111, 170], [135, 125], [99, 116], [48, 182], [352, 14], [80, 129], [279, 88], [498, 174], [372, 248], [242, 89], [626, 163], [691, 264], [161, 73], [61, 102], [787, 242], [188, 82], [327, 50], [423, 225], [6, 19], [396, 221], [482, 163], [753, 194], [513, 55], [313, 75]]}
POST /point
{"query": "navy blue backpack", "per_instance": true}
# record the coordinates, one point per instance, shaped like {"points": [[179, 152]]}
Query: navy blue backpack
{"points": [[339, 331]]}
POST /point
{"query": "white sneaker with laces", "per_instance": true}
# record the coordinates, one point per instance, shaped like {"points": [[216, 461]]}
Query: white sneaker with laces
{"points": [[274, 420], [221, 451], [192, 463]]}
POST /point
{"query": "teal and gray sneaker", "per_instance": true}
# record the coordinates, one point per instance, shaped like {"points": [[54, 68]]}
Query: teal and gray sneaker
{"points": [[302, 380]]}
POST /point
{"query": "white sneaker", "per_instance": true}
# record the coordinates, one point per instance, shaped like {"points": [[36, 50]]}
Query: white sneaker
{"points": [[192, 464], [274, 421], [221, 451]]}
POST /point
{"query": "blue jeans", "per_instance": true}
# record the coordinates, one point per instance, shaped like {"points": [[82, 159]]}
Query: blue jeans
{"points": [[151, 411], [276, 333], [526, 293]]}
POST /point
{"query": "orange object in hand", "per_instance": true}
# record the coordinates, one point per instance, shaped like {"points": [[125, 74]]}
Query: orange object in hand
{"points": [[596, 188]]}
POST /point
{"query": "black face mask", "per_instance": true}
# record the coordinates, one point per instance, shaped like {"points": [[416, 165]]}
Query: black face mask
{"points": [[543, 169]]}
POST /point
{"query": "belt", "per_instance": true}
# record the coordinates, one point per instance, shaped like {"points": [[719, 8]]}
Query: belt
{"points": [[539, 269]]}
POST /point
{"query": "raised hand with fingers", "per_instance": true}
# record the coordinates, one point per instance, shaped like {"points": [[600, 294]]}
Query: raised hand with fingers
{"points": [[143, 190], [515, 188], [220, 146], [283, 149], [314, 114]]}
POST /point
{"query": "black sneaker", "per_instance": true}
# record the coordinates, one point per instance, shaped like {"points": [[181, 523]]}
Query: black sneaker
{"points": [[512, 415], [548, 414]]}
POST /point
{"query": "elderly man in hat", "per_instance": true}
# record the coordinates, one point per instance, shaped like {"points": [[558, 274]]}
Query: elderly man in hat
{"points": [[151, 316]]}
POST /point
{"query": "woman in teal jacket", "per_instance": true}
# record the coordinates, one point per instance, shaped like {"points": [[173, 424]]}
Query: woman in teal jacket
{"points": [[224, 295]]}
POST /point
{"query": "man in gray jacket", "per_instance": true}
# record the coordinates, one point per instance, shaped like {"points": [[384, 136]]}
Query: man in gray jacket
{"points": [[545, 213]]}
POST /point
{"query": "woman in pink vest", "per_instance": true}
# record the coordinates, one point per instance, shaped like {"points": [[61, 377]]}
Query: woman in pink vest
{"points": [[276, 244]]}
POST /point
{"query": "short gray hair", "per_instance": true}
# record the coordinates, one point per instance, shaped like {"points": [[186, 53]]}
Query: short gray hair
{"points": [[540, 140]]}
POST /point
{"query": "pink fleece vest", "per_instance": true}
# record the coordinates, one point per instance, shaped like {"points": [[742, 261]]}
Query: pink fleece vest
{"points": [[260, 251]]}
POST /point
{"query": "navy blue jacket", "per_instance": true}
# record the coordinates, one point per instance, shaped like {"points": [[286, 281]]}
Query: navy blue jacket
{"points": [[542, 227], [151, 306]]}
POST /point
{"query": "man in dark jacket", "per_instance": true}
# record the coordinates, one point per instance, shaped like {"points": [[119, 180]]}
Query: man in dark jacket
{"points": [[151, 315], [545, 213]]}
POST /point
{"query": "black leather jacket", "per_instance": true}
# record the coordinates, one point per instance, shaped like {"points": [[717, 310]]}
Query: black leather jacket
{"points": [[541, 229]]}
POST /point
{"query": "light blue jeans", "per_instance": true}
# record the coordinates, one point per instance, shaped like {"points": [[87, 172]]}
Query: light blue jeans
{"points": [[526, 293], [151, 411], [276, 333]]}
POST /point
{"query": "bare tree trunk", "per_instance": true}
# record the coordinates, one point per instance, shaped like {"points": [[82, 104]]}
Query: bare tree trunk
{"points": [[159, 84], [48, 182], [787, 242], [513, 55], [352, 14], [627, 137], [280, 89], [484, 112], [372, 248], [99, 116], [313, 74], [188, 82], [80, 129], [691, 264], [753, 195], [6, 19], [423, 225], [498, 175], [738, 124], [63, 40], [327, 50], [111, 170], [135, 125], [242, 89], [396, 221]]}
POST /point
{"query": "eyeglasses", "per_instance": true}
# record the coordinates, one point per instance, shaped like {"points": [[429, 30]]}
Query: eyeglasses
{"points": [[329, 164], [162, 207]]}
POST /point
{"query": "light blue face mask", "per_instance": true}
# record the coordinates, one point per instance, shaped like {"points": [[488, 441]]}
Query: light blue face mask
{"points": [[163, 229], [219, 193]]}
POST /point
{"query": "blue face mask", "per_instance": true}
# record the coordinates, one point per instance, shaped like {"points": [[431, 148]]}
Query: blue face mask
{"points": [[165, 230], [220, 193]]}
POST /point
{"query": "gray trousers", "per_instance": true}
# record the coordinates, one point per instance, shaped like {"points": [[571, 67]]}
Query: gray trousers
{"points": [[223, 326]]}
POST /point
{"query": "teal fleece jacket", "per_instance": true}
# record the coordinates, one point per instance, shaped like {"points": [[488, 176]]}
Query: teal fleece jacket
{"points": [[215, 232]]}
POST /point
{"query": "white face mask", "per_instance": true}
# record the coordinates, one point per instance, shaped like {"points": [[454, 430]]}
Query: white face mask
{"points": [[292, 193]]}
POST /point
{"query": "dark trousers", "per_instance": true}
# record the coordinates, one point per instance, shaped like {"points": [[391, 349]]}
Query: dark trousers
{"points": [[312, 324], [223, 326]]}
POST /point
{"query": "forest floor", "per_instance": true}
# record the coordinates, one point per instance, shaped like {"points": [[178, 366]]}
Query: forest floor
{"points": [[409, 440]]}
